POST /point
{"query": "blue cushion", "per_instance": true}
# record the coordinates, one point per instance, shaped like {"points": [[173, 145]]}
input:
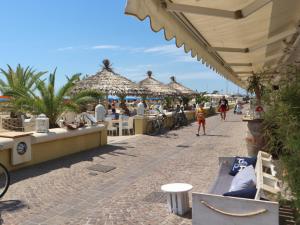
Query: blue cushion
{"points": [[245, 193], [240, 163]]}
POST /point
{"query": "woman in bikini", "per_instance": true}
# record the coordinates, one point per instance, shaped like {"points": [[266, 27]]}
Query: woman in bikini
{"points": [[200, 115]]}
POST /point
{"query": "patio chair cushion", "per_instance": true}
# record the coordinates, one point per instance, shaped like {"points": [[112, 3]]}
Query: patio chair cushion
{"points": [[244, 179], [246, 193], [240, 163]]}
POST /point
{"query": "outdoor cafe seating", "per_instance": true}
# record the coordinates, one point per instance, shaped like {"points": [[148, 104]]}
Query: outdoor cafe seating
{"points": [[114, 126]]}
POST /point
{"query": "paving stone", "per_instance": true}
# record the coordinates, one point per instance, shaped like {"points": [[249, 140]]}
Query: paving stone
{"points": [[63, 191], [101, 168]]}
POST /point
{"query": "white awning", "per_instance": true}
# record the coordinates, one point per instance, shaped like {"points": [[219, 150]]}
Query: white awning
{"points": [[233, 37]]}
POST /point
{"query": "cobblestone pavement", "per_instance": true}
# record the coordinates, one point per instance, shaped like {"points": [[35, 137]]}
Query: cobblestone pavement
{"points": [[64, 191]]}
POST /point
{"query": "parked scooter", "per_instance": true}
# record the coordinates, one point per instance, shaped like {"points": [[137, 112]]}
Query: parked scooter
{"points": [[238, 108]]}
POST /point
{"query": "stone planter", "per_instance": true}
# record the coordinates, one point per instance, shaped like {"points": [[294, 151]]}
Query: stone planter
{"points": [[255, 139]]}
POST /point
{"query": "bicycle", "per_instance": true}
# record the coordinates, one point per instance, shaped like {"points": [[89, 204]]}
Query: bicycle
{"points": [[179, 119], [4, 180], [157, 125]]}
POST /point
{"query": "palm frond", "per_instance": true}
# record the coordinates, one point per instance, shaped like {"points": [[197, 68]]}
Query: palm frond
{"points": [[32, 94], [68, 86]]}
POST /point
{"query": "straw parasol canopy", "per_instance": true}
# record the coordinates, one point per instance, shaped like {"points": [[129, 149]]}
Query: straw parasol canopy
{"points": [[180, 88], [110, 83], [156, 87]]}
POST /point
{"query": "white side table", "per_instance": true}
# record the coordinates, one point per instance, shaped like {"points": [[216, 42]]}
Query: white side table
{"points": [[178, 198]]}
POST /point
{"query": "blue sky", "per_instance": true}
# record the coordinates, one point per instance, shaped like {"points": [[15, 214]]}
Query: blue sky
{"points": [[76, 35]]}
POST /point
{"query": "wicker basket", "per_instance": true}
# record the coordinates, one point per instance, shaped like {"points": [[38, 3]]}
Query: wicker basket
{"points": [[12, 124]]}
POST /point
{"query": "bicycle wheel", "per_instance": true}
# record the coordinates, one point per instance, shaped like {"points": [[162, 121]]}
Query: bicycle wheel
{"points": [[4, 180], [185, 121], [174, 122], [154, 129]]}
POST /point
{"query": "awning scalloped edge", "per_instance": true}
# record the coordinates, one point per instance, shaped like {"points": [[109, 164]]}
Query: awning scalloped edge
{"points": [[160, 19]]}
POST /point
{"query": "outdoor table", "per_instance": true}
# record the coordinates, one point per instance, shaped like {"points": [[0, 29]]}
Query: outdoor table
{"points": [[177, 198], [115, 121]]}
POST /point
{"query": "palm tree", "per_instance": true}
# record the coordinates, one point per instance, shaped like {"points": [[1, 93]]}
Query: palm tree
{"points": [[22, 80], [51, 103]]}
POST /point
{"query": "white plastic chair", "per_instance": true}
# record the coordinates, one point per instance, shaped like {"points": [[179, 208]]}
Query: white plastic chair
{"points": [[110, 128], [123, 122], [129, 126]]}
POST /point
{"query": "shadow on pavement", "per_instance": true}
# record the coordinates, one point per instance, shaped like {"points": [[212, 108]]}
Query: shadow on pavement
{"points": [[188, 214], [215, 135], [168, 134], [11, 205], [183, 146], [66, 161]]}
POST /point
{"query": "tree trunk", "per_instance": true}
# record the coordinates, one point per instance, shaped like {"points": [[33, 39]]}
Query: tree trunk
{"points": [[52, 123], [258, 96]]}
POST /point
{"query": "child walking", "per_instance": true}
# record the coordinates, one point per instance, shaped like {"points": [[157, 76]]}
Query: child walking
{"points": [[200, 115]]}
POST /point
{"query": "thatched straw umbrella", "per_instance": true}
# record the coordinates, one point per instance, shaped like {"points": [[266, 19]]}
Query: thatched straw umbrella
{"points": [[182, 90], [156, 87], [110, 83]]}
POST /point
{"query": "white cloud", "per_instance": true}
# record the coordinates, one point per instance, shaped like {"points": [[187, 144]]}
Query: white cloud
{"points": [[164, 49], [186, 58], [171, 50], [134, 49], [139, 67], [135, 73], [207, 75], [105, 47], [65, 48]]}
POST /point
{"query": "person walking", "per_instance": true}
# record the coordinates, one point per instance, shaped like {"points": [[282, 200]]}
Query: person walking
{"points": [[223, 107], [200, 115]]}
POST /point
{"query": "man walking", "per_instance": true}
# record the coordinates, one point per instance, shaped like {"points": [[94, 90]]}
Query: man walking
{"points": [[223, 107]]}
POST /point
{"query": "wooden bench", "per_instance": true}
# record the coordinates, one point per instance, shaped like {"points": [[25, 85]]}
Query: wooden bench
{"points": [[215, 209]]}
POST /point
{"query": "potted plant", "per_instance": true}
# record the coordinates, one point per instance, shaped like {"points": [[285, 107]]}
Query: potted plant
{"points": [[256, 87], [255, 140]]}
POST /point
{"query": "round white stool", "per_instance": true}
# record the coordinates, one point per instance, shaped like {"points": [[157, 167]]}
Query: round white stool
{"points": [[177, 198]]}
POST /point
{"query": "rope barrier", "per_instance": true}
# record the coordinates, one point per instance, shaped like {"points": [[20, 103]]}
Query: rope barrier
{"points": [[234, 214]]}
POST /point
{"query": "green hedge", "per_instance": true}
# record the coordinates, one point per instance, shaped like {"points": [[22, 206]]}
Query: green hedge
{"points": [[282, 128]]}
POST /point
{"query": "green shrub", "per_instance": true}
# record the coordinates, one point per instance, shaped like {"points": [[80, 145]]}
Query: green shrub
{"points": [[200, 98], [282, 127]]}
